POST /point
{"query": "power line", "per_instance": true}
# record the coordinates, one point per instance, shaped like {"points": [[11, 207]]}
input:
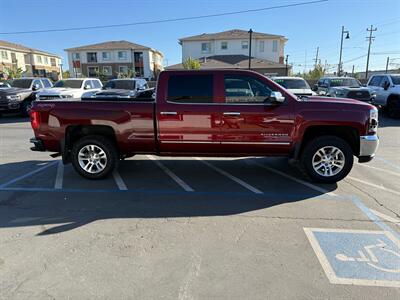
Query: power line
{"points": [[166, 20]]}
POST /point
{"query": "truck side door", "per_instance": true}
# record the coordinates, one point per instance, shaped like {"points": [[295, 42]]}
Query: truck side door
{"points": [[383, 94], [374, 85], [251, 123], [187, 115]]}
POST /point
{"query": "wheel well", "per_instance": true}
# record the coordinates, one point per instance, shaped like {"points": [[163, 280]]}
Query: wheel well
{"points": [[349, 134], [75, 132], [393, 97]]}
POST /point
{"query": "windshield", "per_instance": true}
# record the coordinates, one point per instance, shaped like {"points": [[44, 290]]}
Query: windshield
{"points": [[120, 84], [22, 83], [395, 79], [73, 84], [350, 82], [293, 83]]}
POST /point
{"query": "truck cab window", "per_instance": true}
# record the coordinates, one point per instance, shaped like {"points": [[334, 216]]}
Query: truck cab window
{"points": [[246, 89], [190, 88]]}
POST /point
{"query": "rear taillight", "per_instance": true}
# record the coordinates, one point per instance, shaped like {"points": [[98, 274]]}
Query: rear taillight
{"points": [[373, 121], [35, 120]]}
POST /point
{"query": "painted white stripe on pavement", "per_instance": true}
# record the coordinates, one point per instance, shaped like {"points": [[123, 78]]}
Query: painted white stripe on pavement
{"points": [[230, 176], [381, 187], [119, 181], [171, 174], [307, 184], [380, 169], [60, 175], [28, 174], [386, 217]]}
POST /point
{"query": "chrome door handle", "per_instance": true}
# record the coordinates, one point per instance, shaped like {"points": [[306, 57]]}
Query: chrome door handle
{"points": [[168, 113], [231, 113]]}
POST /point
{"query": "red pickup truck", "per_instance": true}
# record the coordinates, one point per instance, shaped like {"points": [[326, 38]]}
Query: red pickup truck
{"points": [[209, 113]]}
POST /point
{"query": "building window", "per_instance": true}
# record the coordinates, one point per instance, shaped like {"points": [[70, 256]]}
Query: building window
{"points": [[76, 56], [245, 45], [53, 62], [122, 55], [262, 46], [91, 56], [205, 47], [39, 59], [123, 69], [4, 55], [107, 70], [224, 45], [93, 71], [274, 46], [106, 56], [138, 56], [46, 60]]}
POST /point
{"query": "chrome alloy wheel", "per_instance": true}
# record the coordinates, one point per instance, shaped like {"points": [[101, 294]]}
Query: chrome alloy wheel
{"points": [[328, 161], [92, 159]]}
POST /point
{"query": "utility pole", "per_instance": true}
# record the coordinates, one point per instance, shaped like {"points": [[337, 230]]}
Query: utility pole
{"points": [[352, 71], [250, 38], [287, 60], [305, 62], [370, 39], [316, 58], [387, 64], [341, 49]]}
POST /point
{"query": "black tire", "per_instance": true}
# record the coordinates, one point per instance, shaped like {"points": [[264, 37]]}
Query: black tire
{"points": [[112, 157], [393, 108], [25, 108], [312, 147]]}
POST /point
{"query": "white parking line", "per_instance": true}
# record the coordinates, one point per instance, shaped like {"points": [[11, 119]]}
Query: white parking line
{"points": [[119, 181], [307, 184], [230, 176], [171, 174], [380, 169], [386, 217], [59, 177], [381, 187]]}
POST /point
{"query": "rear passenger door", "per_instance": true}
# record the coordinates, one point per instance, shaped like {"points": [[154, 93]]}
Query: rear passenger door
{"points": [[251, 123], [187, 115]]}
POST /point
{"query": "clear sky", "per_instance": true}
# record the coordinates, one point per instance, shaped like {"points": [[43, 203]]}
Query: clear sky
{"points": [[306, 27]]}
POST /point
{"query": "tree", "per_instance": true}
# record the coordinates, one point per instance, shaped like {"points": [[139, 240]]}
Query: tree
{"points": [[191, 64], [66, 74], [316, 73], [13, 72]]}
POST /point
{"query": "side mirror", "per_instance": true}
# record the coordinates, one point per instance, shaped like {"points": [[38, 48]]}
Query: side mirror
{"points": [[35, 87], [386, 85], [315, 87], [87, 87], [276, 97]]}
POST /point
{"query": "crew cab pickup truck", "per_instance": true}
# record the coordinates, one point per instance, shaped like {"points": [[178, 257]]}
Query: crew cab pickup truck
{"points": [[385, 91], [210, 113]]}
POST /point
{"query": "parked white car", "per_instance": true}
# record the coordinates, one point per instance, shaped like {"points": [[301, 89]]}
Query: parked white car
{"points": [[296, 85], [385, 90], [72, 88]]}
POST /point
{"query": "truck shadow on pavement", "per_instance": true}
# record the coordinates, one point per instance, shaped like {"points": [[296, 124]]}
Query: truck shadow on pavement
{"points": [[63, 210], [13, 119]]}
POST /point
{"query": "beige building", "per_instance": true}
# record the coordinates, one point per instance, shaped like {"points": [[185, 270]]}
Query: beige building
{"points": [[33, 62], [113, 58]]}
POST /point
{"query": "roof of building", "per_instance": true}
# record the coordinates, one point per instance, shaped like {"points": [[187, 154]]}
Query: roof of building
{"points": [[232, 62], [22, 48], [113, 45], [230, 34]]}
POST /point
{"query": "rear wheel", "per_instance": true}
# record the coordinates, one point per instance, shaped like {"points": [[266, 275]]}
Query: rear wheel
{"points": [[327, 159], [94, 157]]}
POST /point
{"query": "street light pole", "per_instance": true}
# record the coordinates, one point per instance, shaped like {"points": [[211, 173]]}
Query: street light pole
{"points": [[287, 60], [250, 37], [341, 49]]}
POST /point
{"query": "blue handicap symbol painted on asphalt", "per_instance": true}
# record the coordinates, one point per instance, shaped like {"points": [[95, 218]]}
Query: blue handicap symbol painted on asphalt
{"points": [[357, 256]]}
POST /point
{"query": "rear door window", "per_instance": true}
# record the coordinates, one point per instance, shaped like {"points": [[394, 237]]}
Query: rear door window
{"points": [[190, 88]]}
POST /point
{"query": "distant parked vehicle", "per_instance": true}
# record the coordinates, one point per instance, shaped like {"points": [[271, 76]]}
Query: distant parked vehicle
{"points": [[296, 85], [121, 88], [385, 90], [4, 85], [71, 88], [19, 97], [342, 87]]}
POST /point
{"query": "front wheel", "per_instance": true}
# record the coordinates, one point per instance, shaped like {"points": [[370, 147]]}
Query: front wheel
{"points": [[393, 108], [94, 157], [327, 159]]}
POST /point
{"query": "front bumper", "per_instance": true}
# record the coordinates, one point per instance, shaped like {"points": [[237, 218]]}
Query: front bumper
{"points": [[368, 146], [12, 105]]}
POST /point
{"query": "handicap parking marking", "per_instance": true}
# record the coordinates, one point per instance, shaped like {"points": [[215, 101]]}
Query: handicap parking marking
{"points": [[357, 257]]}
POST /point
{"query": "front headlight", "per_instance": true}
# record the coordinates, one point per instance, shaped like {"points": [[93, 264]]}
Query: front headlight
{"points": [[13, 97], [373, 121]]}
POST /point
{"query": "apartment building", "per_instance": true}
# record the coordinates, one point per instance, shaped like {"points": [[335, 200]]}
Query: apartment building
{"points": [[114, 58], [33, 62]]}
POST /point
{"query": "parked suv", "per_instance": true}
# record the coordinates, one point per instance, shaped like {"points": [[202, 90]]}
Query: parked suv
{"points": [[385, 90], [342, 87], [23, 91], [72, 88]]}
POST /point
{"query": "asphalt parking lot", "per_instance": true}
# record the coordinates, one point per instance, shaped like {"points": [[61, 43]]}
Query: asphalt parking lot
{"points": [[190, 228]]}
